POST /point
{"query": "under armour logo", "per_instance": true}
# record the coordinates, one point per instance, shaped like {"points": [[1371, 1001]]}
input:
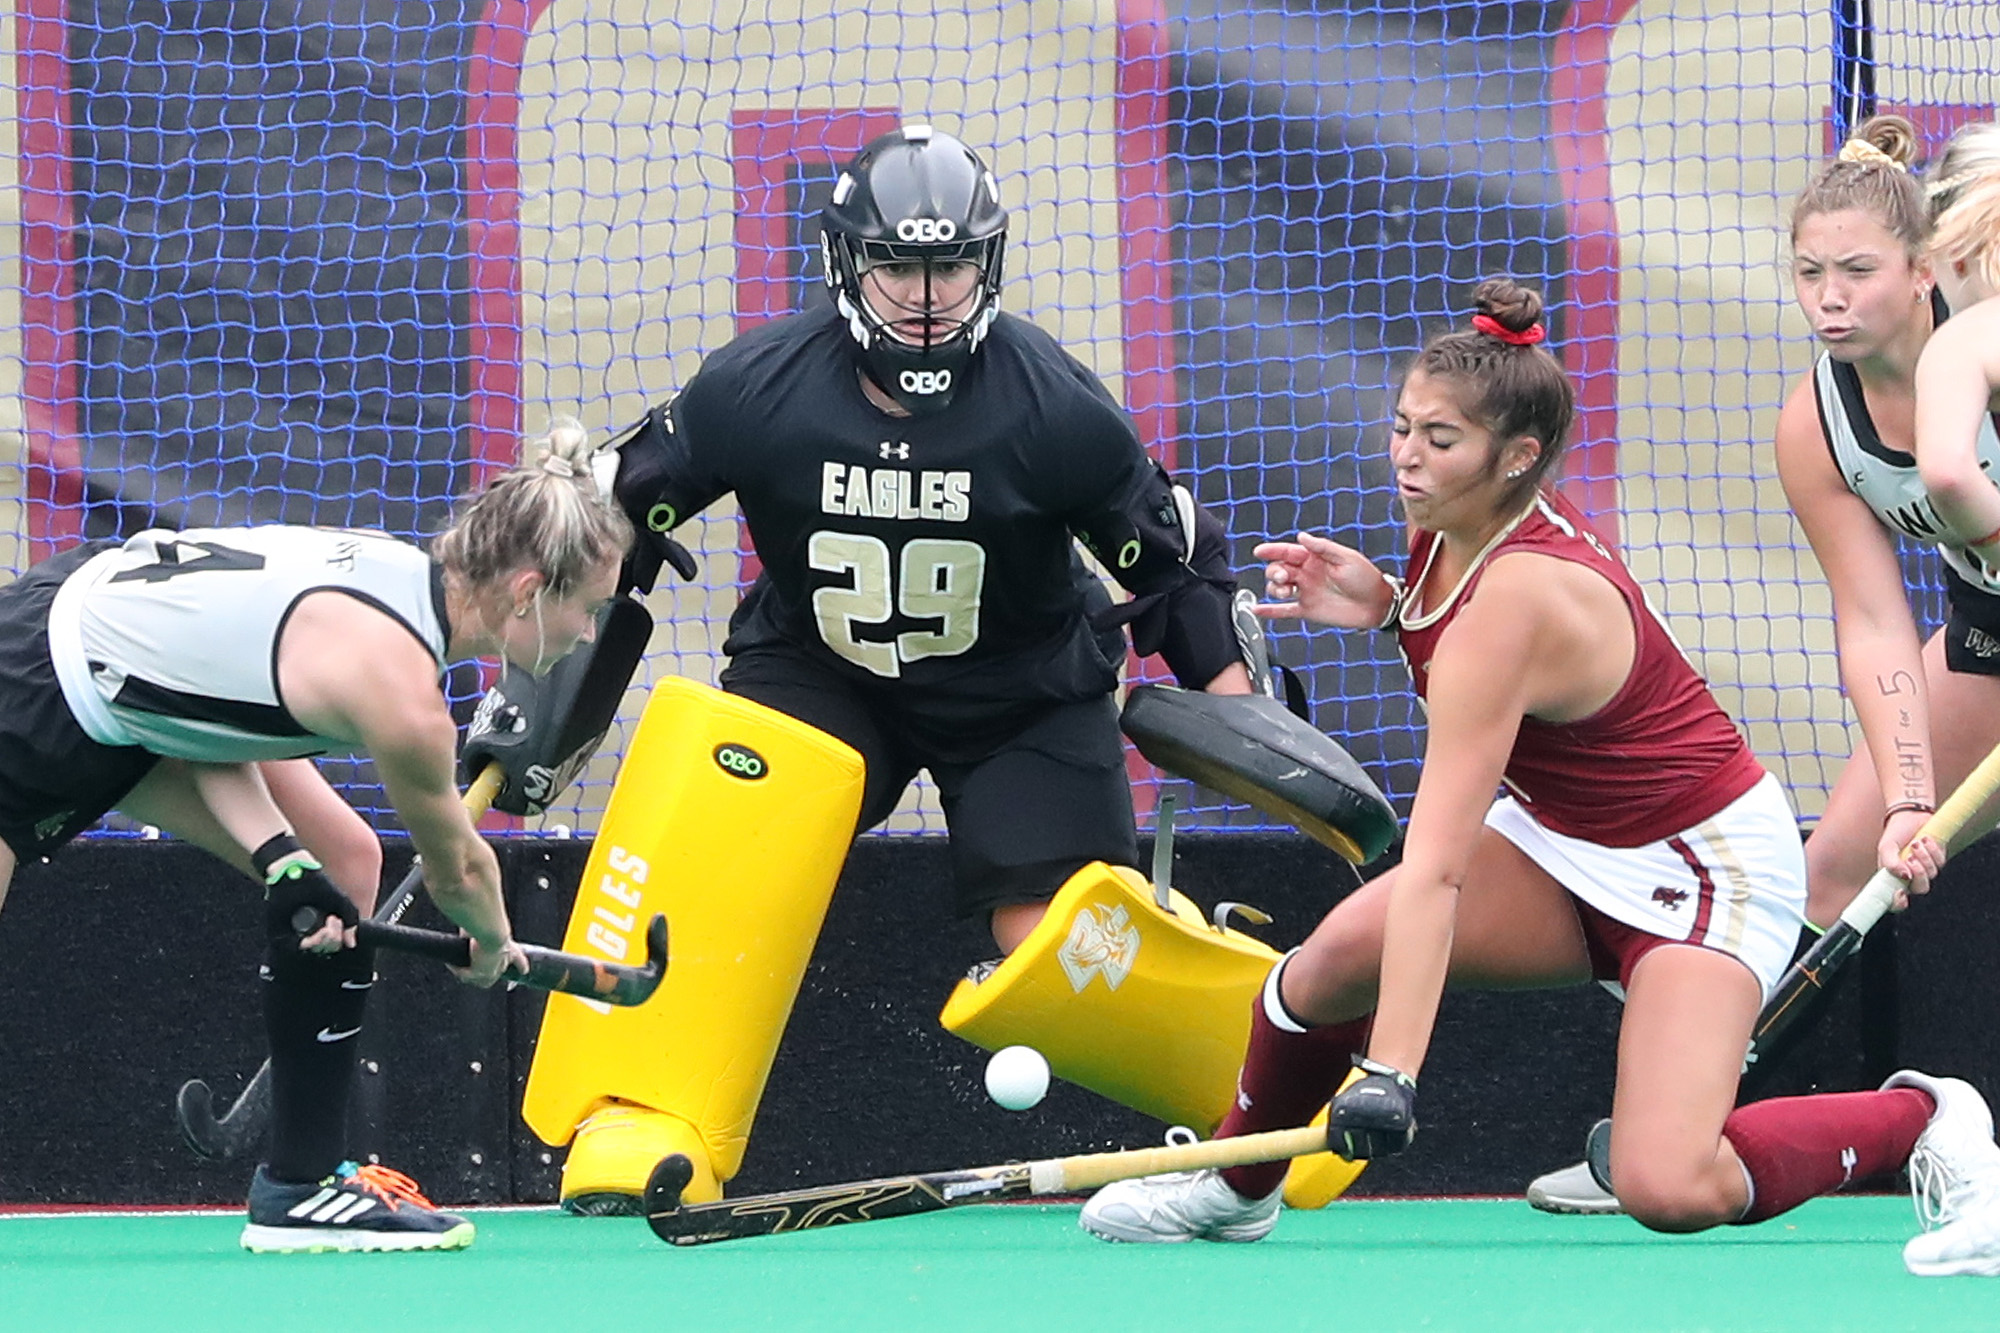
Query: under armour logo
{"points": [[1096, 945], [1671, 899], [1849, 1159], [894, 450]]}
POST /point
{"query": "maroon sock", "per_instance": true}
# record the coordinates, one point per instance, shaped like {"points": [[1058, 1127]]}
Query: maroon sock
{"points": [[1798, 1148], [1289, 1074]]}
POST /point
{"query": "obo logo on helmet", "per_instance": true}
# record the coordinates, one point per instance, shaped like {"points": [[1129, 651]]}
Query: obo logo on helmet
{"points": [[915, 196], [927, 231]]}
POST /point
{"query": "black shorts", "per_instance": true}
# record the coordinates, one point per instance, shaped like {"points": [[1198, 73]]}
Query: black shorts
{"points": [[1972, 630], [1047, 797], [55, 781]]}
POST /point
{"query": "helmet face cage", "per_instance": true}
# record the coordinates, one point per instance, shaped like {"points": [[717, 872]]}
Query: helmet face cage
{"points": [[922, 199]]}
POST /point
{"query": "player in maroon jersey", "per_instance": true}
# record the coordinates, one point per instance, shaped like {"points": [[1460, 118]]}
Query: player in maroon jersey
{"points": [[1845, 446], [1638, 842]]}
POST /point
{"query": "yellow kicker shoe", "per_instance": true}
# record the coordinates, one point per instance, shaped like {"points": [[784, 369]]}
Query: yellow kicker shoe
{"points": [[616, 1149], [1316, 1181]]}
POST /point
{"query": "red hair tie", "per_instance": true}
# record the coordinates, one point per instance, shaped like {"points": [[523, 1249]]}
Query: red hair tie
{"points": [[1492, 327]]}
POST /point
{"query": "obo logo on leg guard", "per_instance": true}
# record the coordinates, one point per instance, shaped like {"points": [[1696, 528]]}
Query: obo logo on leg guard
{"points": [[740, 761]]}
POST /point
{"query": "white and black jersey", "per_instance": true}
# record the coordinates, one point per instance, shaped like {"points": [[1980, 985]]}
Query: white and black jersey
{"points": [[1886, 478], [169, 642], [930, 558]]}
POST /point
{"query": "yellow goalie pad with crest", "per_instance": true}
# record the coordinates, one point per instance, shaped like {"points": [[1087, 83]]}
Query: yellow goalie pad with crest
{"points": [[733, 820], [1146, 1004]]}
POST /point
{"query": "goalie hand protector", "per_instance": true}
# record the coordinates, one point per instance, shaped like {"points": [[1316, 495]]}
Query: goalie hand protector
{"points": [[542, 732], [627, 471], [1251, 748], [1173, 556]]}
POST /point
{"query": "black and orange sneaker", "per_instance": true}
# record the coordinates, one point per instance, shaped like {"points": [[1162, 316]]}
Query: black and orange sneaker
{"points": [[355, 1208]]}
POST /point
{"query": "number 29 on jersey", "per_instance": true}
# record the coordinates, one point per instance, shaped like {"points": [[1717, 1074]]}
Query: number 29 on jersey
{"points": [[938, 579]]}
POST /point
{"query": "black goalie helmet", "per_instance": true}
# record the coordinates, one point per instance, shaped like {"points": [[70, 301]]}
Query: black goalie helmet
{"points": [[913, 240]]}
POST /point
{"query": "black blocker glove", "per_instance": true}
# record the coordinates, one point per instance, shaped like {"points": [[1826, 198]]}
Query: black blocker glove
{"points": [[1375, 1116]]}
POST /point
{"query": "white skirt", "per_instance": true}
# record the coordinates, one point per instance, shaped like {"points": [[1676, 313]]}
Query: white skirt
{"points": [[1735, 883]]}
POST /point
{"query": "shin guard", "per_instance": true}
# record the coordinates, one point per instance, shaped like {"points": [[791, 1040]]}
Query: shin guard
{"points": [[733, 820], [313, 1007]]}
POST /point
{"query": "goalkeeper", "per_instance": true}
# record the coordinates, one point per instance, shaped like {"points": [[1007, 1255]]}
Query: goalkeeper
{"points": [[914, 467]]}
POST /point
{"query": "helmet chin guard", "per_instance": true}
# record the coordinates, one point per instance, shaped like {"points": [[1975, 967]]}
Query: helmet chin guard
{"points": [[914, 197]]}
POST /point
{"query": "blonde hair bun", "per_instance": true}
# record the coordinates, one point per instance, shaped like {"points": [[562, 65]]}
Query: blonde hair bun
{"points": [[565, 450]]}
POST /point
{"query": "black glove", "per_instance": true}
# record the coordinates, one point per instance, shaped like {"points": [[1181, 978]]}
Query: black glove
{"points": [[641, 569], [1376, 1116], [298, 897]]}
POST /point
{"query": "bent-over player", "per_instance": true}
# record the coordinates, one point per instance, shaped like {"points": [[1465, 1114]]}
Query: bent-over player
{"points": [[1639, 841], [185, 678], [914, 466]]}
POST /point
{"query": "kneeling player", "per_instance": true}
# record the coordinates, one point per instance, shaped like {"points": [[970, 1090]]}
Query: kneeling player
{"points": [[1641, 843]]}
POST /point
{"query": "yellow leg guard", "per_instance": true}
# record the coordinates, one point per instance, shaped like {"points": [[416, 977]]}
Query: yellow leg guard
{"points": [[1150, 1008], [733, 820]]}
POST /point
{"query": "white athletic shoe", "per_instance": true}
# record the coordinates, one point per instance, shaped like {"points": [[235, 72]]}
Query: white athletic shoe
{"points": [[1954, 1182], [1182, 1206], [1572, 1190]]}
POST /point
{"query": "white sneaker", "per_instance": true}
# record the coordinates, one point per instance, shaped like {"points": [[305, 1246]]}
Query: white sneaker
{"points": [[1186, 1205], [1954, 1182], [1572, 1190]]}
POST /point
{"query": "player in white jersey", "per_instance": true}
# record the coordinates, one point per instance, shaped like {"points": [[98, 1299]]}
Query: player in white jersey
{"points": [[185, 678]]}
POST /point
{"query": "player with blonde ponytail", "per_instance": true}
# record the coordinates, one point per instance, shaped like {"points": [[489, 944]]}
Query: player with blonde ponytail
{"points": [[186, 679]]}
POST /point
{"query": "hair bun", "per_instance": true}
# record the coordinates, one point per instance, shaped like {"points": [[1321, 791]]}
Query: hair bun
{"points": [[1514, 306], [566, 449], [1860, 150]]}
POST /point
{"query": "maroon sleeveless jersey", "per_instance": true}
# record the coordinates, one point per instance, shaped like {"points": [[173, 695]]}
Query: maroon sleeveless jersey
{"points": [[1660, 757]]}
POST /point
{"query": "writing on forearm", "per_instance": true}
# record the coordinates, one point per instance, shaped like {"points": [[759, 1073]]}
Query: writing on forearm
{"points": [[1911, 753], [1913, 767], [1896, 682]]}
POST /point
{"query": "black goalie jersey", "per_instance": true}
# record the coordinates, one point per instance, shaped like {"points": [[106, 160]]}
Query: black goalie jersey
{"points": [[932, 555]]}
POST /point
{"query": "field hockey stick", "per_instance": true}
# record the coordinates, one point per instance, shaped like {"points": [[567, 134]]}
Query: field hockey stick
{"points": [[228, 1136], [905, 1196], [621, 984], [1808, 978]]}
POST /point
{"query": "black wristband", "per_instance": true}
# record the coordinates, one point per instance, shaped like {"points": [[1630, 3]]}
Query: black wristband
{"points": [[273, 854]]}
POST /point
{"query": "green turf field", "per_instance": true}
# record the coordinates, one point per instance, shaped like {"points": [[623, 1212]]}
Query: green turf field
{"points": [[1484, 1265]]}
